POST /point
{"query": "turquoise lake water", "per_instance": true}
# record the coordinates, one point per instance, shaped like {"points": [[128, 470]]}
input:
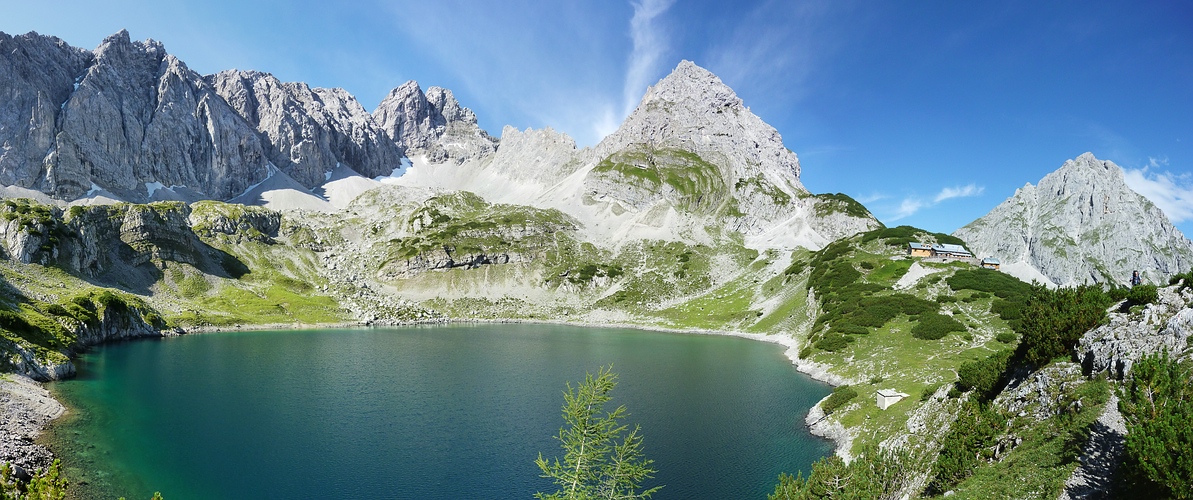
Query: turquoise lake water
{"points": [[421, 413]]}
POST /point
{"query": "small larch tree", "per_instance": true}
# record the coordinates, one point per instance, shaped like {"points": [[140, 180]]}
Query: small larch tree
{"points": [[597, 463]]}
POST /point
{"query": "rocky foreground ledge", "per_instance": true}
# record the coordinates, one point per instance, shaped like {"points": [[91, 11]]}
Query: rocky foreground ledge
{"points": [[25, 409]]}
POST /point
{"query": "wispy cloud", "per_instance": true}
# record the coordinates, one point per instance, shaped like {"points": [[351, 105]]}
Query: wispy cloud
{"points": [[908, 207], [772, 50], [958, 192], [1171, 192], [650, 44], [871, 198], [913, 204]]}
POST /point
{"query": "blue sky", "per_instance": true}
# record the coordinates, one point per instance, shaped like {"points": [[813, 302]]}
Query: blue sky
{"points": [[930, 113]]}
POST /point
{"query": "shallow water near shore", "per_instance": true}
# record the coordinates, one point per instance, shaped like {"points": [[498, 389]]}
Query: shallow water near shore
{"points": [[421, 412]]}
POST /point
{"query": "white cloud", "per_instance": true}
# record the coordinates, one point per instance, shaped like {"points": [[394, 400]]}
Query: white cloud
{"points": [[606, 124], [912, 204], [958, 192], [871, 198], [908, 207], [1171, 192], [650, 43]]}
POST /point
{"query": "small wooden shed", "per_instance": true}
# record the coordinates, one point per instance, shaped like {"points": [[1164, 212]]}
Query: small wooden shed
{"points": [[991, 263]]}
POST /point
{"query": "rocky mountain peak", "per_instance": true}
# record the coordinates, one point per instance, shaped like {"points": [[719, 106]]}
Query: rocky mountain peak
{"points": [[1078, 174], [1081, 224], [713, 160], [433, 124], [692, 109], [121, 45], [140, 117], [449, 108], [692, 85]]}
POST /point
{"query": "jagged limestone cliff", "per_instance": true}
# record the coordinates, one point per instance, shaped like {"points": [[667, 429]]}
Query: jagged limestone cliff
{"points": [[1081, 224], [138, 116], [432, 124], [308, 132]]}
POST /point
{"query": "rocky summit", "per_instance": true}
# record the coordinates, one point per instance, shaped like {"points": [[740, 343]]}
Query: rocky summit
{"points": [[433, 124], [305, 131], [1081, 224]]}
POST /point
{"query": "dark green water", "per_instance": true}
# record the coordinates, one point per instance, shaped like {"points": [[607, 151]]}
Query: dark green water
{"points": [[421, 413]]}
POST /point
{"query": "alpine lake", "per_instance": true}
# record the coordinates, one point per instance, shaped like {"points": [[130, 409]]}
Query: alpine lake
{"points": [[443, 412]]}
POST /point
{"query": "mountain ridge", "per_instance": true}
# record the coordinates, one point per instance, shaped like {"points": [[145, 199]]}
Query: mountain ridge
{"points": [[136, 124]]}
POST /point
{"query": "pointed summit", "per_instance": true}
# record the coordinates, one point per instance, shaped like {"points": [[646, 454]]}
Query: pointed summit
{"points": [[692, 85], [692, 146], [691, 109], [433, 124], [1081, 224]]}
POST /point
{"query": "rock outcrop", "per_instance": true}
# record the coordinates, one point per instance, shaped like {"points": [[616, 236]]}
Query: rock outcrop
{"points": [[103, 239], [234, 223], [1082, 224], [1165, 325], [111, 322], [432, 124], [29, 231], [308, 132]]}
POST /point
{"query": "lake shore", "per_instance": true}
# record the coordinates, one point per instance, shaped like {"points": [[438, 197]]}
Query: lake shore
{"points": [[27, 407]]}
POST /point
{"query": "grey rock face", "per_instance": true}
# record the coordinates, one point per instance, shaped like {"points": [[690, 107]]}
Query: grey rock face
{"points": [[691, 110], [37, 75], [1082, 224], [306, 131], [24, 243], [543, 156], [433, 124], [140, 115], [1163, 326]]}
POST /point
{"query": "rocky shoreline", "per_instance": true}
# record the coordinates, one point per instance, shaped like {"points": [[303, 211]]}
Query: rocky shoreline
{"points": [[25, 409]]}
